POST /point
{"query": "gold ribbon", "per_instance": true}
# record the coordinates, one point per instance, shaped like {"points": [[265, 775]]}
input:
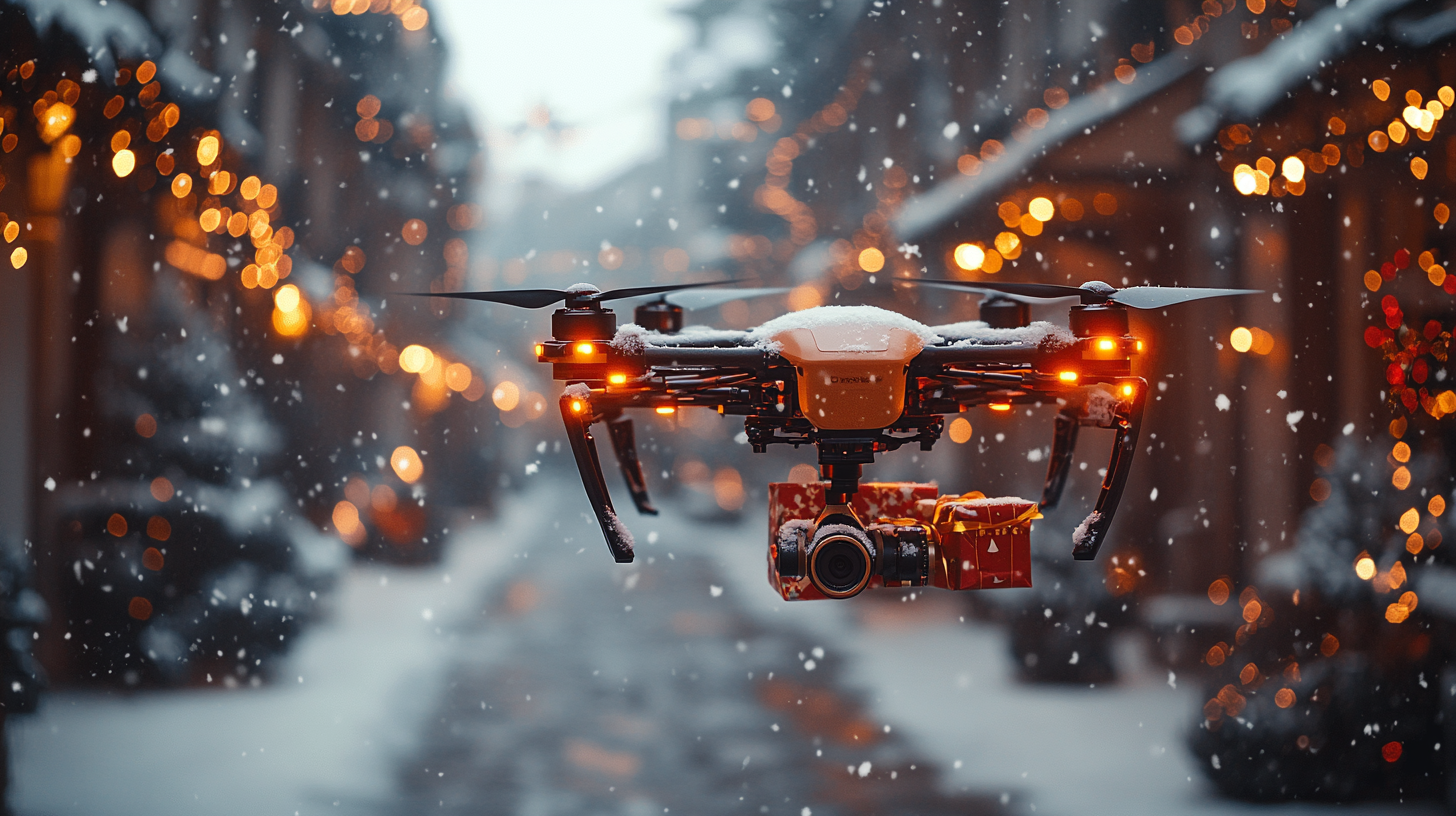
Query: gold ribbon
{"points": [[945, 507]]}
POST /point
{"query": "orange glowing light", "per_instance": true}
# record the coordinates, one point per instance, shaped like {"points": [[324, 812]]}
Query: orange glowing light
{"points": [[585, 349], [1041, 208], [666, 409], [414, 232], [292, 323], [415, 358], [407, 464], [617, 379], [1067, 376], [19, 256], [871, 260], [1106, 344], [123, 163], [969, 257], [960, 430], [1000, 406], [1128, 389], [1409, 519], [540, 349], [207, 150], [116, 525], [287, 298], [457, 376], [161, 489], [577, 406], [346, 521], [506, 396], [159, 528], [1139, 345], [1365, 567]]}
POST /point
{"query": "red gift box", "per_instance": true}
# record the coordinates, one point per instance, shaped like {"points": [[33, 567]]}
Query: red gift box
{"points": [[875, 500], [983, 543]]}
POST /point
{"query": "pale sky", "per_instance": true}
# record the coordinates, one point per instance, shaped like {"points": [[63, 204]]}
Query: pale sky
{"points": [[599, 66]]}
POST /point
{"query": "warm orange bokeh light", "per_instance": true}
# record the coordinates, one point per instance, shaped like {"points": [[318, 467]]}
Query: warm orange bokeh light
{"points": [[406, 463]]}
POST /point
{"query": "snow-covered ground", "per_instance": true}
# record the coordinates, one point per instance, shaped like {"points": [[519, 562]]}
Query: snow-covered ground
{"points": [[329, 731], [373, 673]]}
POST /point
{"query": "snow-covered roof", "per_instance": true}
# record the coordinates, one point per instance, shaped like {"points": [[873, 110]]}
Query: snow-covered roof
{"points": [[1247, 87], [930, 210]]}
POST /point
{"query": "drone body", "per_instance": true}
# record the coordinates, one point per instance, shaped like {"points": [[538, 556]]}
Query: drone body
{"points": [[853, 381]]}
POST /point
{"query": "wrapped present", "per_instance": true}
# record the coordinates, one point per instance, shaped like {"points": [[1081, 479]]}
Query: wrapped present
{"points": [[794, 501], [875, 500], [983, 543]]}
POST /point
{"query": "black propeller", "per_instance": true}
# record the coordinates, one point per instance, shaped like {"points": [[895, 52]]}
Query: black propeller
{"points": [[578, 297], [1091, 293]]}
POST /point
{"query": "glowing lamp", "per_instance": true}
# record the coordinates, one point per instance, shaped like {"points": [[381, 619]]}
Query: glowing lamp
{"points": [[540, 349], [617, 379], [1139, 346], [1128, 389], [585, 349], [576, 406], [666, 409], [1106, 344], [1067, 376], [1000, 406]]}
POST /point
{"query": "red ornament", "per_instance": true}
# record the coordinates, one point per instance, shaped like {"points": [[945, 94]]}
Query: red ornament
{"points": [[1387, 270], [1374, 337], [1402, 258], [1450, 285], [1394, 319], [1389, 304], [1433, 328], [1408, 399], [1419, 370], [1391, 751], [1394, 374]]}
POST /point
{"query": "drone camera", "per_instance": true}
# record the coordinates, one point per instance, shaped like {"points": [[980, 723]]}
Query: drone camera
{"points": [[841, 556]]}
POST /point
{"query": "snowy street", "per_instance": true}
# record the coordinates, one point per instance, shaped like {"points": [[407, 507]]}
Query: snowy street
{"points": [[528, 674]]}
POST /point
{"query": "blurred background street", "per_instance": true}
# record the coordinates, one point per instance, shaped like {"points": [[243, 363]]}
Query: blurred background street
{"points": [[277, 537]]}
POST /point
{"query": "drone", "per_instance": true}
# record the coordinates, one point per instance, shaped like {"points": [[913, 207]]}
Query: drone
{"points": [[854, 382]]}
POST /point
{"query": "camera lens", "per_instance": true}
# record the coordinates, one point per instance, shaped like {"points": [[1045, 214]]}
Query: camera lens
{"points": [[839, 564]]}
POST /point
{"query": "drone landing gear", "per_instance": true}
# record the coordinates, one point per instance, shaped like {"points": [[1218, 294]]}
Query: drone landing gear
{"points": [[1125, 418], [584, 448], [624, 444]]}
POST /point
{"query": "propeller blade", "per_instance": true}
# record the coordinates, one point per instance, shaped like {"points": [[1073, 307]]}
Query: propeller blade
{"points": [[974, 289], [541, 298], [1040, 291], [710, 299], [1157, 297], [1093, 292], [639, 291], [523, 298]]}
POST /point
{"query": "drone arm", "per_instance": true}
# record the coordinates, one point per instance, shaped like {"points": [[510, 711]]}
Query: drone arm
{"points": [[737, 357], [1064, 443], [1127, 419], [584, 448], [624, 444]]}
